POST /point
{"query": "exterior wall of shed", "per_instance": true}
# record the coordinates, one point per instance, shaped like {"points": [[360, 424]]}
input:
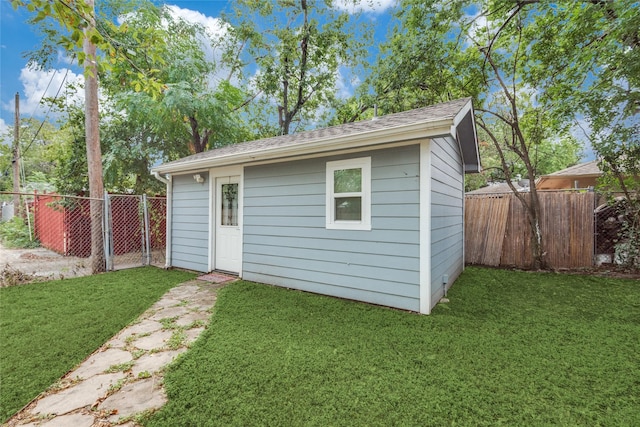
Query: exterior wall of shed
{"points": [[447, 215], [190, 223], [286, 242]]}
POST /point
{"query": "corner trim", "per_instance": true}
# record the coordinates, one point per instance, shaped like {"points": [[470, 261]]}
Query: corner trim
{"points": [[425, 227]]}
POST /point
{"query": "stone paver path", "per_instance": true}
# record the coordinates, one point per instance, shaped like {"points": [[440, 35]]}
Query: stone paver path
{"points": [[124, 377]]}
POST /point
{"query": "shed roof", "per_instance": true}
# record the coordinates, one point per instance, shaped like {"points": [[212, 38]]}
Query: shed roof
{"points": [[581, 169], [450, 118], [583, 175]]}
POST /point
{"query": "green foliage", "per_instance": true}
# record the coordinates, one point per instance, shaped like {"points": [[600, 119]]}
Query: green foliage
{"points": [[534, 69], [196, 110], [16, 233], [299, 54], [48, 328], [474, 181], [511, 348], [68, 25], [70, 155], [38, 140], [6, 171]]}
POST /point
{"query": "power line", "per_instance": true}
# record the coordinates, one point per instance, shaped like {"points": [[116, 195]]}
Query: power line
{"points": [[46, 116]]}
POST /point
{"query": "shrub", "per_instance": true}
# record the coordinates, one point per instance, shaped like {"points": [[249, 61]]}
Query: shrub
{"points": [[16, 234]]}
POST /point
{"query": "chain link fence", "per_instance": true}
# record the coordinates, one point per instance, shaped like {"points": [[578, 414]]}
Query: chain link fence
{"points": [[617, 234], [49, 235]]}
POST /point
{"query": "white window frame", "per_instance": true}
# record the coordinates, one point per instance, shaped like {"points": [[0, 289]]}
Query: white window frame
{"points": [[364, 164]]}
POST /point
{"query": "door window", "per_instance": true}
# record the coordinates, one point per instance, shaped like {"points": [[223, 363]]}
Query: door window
{"points": [[229, 208]]}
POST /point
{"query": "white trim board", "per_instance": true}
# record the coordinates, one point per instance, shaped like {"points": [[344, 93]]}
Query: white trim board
{"points": [[425, 227]]}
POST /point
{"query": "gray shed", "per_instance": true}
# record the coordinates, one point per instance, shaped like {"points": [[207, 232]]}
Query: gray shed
{"points": [[370, 211]]}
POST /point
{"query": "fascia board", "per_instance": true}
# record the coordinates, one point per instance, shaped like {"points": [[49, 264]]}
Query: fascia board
{"points": [[468, 107], [463, 112], [369, 138]]}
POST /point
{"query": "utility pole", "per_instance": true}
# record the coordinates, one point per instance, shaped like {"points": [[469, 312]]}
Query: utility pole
{"points": [[94, 154], [16, 158]]}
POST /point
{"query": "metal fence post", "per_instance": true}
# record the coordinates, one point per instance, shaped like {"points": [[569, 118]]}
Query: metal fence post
{"points": [[147, 229], [108, 233]]}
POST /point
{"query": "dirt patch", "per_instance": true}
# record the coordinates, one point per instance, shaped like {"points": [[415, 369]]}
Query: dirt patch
{"points": [[32, 256], [19, 266]]}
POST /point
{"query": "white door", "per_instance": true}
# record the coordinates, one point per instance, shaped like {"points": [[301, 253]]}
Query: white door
{"points": [[228, 239]]}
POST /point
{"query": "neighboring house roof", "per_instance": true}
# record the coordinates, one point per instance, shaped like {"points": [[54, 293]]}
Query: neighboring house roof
{"points": [[450, 118], [500, 188], [584, 173]]}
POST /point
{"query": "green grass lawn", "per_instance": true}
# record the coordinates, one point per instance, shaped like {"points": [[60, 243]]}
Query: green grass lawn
{"points": [[48, 328], [511, 348]]}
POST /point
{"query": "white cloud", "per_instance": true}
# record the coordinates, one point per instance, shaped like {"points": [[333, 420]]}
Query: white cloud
{"points": [[38, 84], [367, 6], [218, 34], [215, 27], [4, 128], [64, 58]]}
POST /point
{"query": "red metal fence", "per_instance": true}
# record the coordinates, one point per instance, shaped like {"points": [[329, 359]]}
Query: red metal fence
{"points": [[51, 233], [63, 224]]}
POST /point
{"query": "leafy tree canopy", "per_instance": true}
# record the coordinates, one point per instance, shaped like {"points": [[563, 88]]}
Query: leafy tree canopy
{"points": [[293, 64]]}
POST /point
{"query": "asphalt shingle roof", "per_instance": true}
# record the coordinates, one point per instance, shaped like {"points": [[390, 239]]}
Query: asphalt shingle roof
{"points": [[589, 168], [447, 110]]}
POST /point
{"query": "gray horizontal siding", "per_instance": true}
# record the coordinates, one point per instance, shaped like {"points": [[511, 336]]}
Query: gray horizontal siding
{"points": [[286, 242], [447, 222], [190, 223]]}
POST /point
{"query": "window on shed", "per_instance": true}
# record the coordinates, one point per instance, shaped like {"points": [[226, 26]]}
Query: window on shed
{"points": [[229, 208], [349, 194]]}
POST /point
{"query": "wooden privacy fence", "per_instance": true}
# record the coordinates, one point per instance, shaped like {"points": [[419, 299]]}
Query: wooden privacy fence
{"points": [[497, 231]]}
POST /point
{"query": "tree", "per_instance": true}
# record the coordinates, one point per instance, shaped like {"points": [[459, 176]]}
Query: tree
{"points": [[530, 66], [78, 33], [197, 109], [38, 139], [298, 58], [549, 156], [593, 63], [439, 53]]}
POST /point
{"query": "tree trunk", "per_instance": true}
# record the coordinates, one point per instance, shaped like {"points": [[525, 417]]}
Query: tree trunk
{"points": [[537, 248], [94, 155], [530, 204]]}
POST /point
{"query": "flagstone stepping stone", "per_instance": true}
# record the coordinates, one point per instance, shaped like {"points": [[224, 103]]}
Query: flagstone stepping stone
{"points": [[78, 396], [143, 327], [99, 362], [153, 362], [133, 398], [155, 341], [167, 313], [71, 420]]}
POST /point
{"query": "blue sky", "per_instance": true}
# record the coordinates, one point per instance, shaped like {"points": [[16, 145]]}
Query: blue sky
{"points": [[17, 37]]}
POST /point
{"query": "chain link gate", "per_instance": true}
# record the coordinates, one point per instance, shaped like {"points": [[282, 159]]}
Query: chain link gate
{"points": [[134, 229]]}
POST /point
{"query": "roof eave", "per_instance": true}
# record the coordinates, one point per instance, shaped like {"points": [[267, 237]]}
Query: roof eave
{"points": [[464, 124], [423, 129]]}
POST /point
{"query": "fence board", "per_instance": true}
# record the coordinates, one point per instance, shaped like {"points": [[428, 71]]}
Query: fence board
{"points": [[567, 225], [485, 220], [516, 250]]}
